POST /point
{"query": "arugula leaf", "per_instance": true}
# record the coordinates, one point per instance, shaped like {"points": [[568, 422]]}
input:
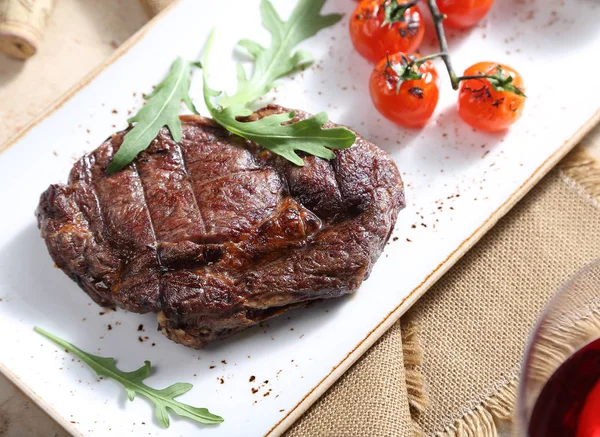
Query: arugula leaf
{"points": [[163, 400], [284, 140], [277, 61], [161, 109], [271, 64]]}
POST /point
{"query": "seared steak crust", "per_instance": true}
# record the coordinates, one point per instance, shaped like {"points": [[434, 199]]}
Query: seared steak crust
{"points": [[215, 234]]}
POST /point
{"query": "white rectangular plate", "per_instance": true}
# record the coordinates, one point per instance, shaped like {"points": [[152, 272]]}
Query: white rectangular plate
{"points": [[458, 182]]}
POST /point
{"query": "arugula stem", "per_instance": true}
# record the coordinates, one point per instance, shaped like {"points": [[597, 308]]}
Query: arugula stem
{"points": [[73, 349], [86, 359], [133, 385]]}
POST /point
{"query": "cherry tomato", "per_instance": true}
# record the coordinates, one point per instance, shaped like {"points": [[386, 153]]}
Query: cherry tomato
{"points": [[409, 103], [463, 13], [485, 108], [373, 39]]}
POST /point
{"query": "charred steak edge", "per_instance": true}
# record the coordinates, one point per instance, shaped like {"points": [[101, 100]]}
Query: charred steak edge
{"points": [[216, 234]]}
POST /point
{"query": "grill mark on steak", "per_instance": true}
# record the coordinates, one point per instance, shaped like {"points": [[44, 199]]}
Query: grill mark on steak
{"points": [[200, 184], [83, 185], [235, 204], [152, 230], [214, 233], [127, 223], [220, 156], [224, 159], [331, 165], [122, 202], [314, 185], [190, 180], [168, 190], [88, 203], [81, 175]]}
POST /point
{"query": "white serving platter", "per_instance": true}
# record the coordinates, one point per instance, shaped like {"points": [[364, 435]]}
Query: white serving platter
{"points": [[459, 183]]}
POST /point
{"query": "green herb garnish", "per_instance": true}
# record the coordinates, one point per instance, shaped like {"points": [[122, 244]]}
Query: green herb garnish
{"points": [[405, 70], [163, 400], [394, 11], [502, 82], [278, 60], [270, 64], [161, 109]]}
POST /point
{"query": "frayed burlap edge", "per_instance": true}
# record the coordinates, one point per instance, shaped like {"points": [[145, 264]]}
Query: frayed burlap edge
{"points": [[415, 383], [482, 420], [583, 172]]}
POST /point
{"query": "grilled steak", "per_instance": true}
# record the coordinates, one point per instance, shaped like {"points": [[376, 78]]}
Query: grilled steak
{"points": [[214, 233]]}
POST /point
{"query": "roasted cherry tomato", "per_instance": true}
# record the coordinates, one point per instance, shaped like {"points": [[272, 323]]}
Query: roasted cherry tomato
{"points": [[400, 95], [378, 27], [463, 13], [489, 104]]}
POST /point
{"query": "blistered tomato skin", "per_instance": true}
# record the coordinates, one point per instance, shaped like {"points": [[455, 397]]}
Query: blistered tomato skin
{"points": [[415, 101], [372, 40], [462, 14], [484, 108]]}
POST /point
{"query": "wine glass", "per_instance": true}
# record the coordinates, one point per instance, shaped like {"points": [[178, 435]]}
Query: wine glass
{"points": [[559, 393]]}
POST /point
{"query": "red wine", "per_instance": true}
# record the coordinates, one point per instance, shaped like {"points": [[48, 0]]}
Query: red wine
{"points": [[569, 404]]}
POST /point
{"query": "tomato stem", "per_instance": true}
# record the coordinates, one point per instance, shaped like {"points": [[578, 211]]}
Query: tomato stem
{"points": [[420, 61], [498, 81], [438, 17], [479, 76]]}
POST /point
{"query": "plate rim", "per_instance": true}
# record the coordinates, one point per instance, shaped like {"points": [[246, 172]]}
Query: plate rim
{"points": [[337, 371]]}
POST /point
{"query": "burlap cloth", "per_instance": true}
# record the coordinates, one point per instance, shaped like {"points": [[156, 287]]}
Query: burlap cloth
{"points": [[471, 327], [450, 366]]}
